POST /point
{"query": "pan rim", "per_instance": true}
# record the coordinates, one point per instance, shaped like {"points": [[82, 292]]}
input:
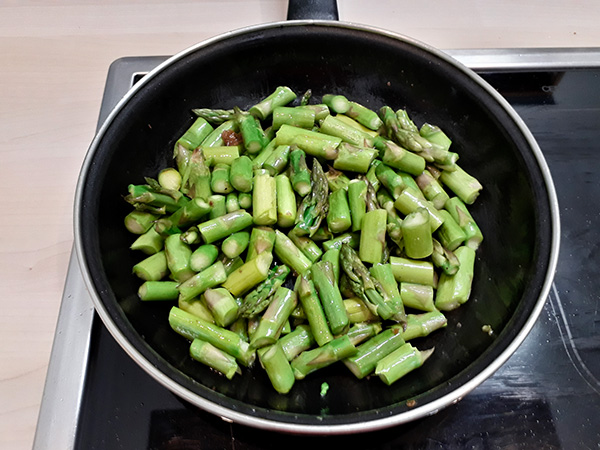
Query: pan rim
{"points": [[230, 415]]}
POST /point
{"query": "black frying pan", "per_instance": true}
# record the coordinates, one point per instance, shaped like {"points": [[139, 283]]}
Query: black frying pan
{"points": [[517, 212]]}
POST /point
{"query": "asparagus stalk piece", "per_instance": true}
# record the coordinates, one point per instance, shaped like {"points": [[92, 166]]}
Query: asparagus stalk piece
{"points": [[454, 290], [335, 127], [245, 200], [240, 327], [331, 299], [444, 259], [264, 199], [221, 227], [357, 311], [418, 243], [158, 290], [296, 117], [354, 158], [178, 255], [217, 359], [222, 305], [400, 158], [372, 236], [203, 257], [165, 199], [313, 360], [360, 332], [460, 213], [235, 244], [364, 286], [390, 180], [306, 245], [214, 116], [336, 180], [278, 160], [277, 366], [337, 103], [215, 138], [196, 178], [412, 271], [357, 192], [251, 131], [263, 155], [353, 123], [321, 110], [193, 211], [465, 186], [153, 268], [333, 257], [417, 296], [221, 155], [240, 174], [262, 239], [351, 239], [435, 135], [210, 277], [191, 139], [249, 275], [384, 274], [421, 325], [286, 202], [364, 116], [371, 175], [275, 316], [317, 145], [259, 298], [280, 97], [197, 307], [139, 222], [219, 180], [410, 200], [370, 352], [232, 202], [338, 217], [296, 342], [289, 254], [306, 97], [314, 207], [150, 242], [314, 311], [400, 362], [405, 122], [231, 264], [432, 189], [193, 327], [218, 205], [299, 173]]}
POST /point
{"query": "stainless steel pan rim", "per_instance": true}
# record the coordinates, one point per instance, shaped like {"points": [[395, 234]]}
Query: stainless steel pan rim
{"points": [[325, 429]]}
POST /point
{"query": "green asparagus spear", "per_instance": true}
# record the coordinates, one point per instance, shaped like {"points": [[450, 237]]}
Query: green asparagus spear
{"points": [[221, 155], [299, 173], [240, 174], [249, 275], [289, 254], [352, 239], [264, 199], [294, 343], [217, 359], [196, 178], [337, 103], [273, 319], [336, 180], [235, 244], [278, 368], [210, 277], [354, 158], [418, 243], [219, 180], [221, 227], [314, 207], [412, 271], [454, 290], [331, 299], [357, 311], [313, 309], [245, 200], [432, 189], [278, 160], [196, 307], [372, 236], [297, 117], [417, 296], [400, 362], [410, 200], [370, 352], [139, 222], [360, 332], [214, 116], [421, 325], [400, 158], [178, 255], [357, 191], [338, 217], [306, 245], [150, 242], [310, 361], [193, 327], [158, 290], [259, 298], [218, 205], [280, 97], [222, 305], [286, 202], [215, 138], [232, 202], [364, 116], [204, 256], [463, 217], [335, 127], [262, 239], [465, 186]]}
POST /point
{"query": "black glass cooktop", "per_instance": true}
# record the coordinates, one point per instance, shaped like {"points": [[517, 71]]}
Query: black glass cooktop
{"points": [[547, 396]]}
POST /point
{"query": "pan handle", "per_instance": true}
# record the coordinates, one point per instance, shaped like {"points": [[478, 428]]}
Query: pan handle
{"points": [[312, 9]]}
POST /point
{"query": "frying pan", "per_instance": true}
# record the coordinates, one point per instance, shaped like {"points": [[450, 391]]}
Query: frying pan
{"points": [[517, 211]]}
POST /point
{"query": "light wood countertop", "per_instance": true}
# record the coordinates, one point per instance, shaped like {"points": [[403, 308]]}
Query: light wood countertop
{"points": [[54, 58]]}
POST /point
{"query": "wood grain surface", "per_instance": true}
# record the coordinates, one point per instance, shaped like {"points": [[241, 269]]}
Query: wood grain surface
{"points": [[54, 56]]}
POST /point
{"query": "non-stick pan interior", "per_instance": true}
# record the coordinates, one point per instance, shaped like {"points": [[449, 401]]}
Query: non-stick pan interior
{"points": [[374, 69]]}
